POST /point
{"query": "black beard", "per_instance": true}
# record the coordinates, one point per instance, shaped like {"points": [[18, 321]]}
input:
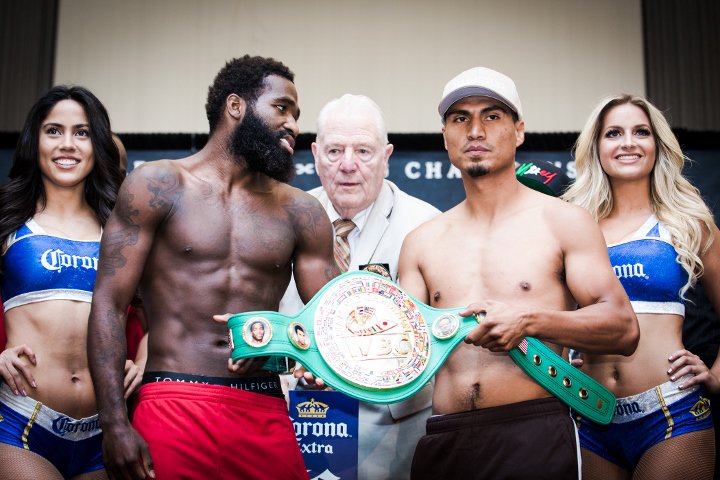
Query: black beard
{"points": [[260, 147], [476, 171]]}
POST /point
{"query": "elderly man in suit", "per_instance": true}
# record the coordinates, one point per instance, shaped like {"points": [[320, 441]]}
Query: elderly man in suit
{"points": [[371, 217]]}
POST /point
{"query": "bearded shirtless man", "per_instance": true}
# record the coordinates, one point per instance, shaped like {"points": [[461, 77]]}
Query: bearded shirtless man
{"points": [[540, 268], [219, 231]]}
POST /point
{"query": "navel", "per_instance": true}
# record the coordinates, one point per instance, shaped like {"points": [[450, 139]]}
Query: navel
{"points": [[187, 249], [525, 286], [436, 296], [474, 396]]}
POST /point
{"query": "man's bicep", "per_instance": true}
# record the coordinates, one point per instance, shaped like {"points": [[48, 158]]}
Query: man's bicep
{"points": [[126, 241], [123, 250], [314, 263], [588, 272]]}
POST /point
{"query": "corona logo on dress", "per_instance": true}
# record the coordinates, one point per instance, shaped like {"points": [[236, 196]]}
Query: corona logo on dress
{"points": [[627, 408], [62, 425], [630, 271], [701, 409], [312, 409], [55, 260]]}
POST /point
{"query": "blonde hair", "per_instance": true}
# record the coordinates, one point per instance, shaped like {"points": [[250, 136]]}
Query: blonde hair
{"points": [[675, 201]]}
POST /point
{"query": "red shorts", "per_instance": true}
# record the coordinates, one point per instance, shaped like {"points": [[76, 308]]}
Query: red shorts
{"points": [[212, 431]]}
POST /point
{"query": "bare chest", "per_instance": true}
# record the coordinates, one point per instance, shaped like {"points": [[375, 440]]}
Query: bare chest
{"points": [[507, 265], [244, 231]]}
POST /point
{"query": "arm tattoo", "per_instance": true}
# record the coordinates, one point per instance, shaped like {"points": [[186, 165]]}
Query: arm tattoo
{"points": [[117, 240], [165, 190], [124, 208], [114, 244], [306, 214]]}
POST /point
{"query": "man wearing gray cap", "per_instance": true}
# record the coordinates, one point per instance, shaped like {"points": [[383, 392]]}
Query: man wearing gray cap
{"points": [[539, 268]]}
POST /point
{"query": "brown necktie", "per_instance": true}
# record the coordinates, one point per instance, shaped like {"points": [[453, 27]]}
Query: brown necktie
{"points": [[342, 247]]}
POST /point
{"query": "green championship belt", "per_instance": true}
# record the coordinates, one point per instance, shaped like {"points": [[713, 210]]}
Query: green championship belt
{"points": [[366, 337]]}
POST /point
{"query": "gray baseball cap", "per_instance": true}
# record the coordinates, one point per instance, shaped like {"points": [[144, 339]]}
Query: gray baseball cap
{"points": [[481, 82]]}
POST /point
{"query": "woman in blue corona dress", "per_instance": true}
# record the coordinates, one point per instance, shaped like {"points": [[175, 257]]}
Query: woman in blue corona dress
{"points": [[661, 239], [62, 187]]}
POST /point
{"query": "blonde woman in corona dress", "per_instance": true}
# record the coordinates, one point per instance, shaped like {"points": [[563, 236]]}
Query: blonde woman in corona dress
{"points": [[661, 239]]}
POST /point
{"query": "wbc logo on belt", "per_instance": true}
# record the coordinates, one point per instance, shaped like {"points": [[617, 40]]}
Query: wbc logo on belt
{"points": [[371, 333]]}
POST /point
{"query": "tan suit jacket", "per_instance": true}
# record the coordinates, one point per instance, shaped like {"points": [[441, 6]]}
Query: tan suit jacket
{"points": [[388, 433]]}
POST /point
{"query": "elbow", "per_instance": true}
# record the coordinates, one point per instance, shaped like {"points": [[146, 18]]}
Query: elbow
{"points": [[630, 336]]}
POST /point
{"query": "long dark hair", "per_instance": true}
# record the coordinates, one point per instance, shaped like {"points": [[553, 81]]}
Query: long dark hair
{"points": [[19, 197]]}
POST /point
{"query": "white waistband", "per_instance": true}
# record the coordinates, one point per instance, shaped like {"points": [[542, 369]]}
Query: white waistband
{"points": [[675, 308], [54, 422], [638, 406]]}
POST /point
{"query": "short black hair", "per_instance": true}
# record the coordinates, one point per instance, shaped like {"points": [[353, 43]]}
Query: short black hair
{"points": [[299, 328], [244, 77], [505, 107]]}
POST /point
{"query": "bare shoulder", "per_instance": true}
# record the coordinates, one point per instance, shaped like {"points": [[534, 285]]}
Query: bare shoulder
{"points": [[304, 210], [570, 223], [153, 187], [157, 169], [415, 248], [295, 200], [562, 214], [159, 174], [294, 197], [428, 232]]}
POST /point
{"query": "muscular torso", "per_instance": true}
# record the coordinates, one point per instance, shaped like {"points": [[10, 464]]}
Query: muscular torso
{"points": [[215, 252], [514, 260]]}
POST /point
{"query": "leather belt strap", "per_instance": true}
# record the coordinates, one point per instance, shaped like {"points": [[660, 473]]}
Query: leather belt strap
{"points": [[574, 387]]}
